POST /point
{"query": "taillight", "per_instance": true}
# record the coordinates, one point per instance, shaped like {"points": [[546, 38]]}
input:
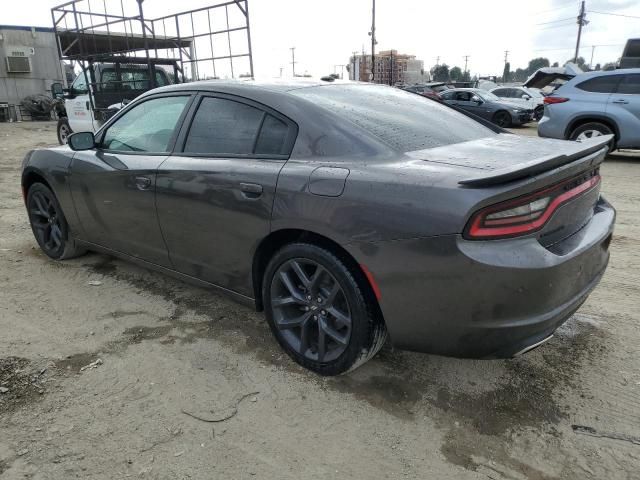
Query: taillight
{"points": [[526, 214], [552, 100]]}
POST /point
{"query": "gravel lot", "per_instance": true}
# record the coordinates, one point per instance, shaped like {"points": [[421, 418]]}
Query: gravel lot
{"points": [[169, 352]]}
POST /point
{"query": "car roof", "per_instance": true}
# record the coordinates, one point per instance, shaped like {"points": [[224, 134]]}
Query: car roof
{"points": [[598, 73], [274, 85], [475, 90]]}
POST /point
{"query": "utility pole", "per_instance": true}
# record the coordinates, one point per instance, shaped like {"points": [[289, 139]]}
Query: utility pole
{"points": [[581, 22], [506, 56], [355, 59], [391, 69], [293, 60], [466, 60], [593, 49], [437, 60], [373, 39]]}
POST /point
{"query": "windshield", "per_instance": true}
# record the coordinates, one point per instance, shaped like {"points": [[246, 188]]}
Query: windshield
{"points": [[405, 121], [487, 96]]}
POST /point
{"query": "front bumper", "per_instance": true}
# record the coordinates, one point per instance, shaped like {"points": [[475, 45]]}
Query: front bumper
{"points": [[485, 299]]}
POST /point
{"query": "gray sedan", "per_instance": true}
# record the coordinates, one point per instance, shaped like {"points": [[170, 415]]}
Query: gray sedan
{"points": [[347, 212], [488, 106]]}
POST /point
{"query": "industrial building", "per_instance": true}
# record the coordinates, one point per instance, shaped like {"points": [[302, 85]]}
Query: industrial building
{"points": [[29, 64], [391, 68]]}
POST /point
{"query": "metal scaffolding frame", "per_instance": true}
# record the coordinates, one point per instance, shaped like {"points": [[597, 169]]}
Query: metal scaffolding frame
{"points": [[198, 44]]}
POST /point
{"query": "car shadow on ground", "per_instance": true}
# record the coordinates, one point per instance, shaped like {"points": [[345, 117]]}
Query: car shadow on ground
{"points": [[492, 396]]}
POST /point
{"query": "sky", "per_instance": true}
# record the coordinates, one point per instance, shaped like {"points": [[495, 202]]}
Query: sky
{"points": [[325, 33]]}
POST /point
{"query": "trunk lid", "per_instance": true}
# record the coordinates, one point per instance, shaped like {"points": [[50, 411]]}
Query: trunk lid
{"points": [[506, 167], [547, 75]]}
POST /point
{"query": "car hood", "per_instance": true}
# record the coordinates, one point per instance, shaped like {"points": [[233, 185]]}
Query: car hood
{"points": [[544, 76]]}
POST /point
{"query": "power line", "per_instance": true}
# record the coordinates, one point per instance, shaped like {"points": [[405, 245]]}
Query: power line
{"points": [[556, 21], [615, 14]]}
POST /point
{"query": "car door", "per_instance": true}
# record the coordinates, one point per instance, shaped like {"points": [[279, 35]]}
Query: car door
{"points": [[215, 193], [78, 106], [624, 108], [113, 185]]}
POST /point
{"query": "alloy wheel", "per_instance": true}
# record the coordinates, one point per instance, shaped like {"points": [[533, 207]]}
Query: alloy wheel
{"points": [[588, 134], [46, 222], [310, 309]]}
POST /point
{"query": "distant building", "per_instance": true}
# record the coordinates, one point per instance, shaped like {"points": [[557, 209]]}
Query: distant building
{"points": [[29, 62], [391, 68]]}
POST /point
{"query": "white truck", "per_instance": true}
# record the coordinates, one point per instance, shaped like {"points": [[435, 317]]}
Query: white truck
{"points": [[89, 102]]}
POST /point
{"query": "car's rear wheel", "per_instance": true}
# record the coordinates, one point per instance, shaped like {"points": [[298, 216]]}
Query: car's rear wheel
{"points": [[318, 312], [64, 130], [502, 119], [590, 130], [49, 224]]}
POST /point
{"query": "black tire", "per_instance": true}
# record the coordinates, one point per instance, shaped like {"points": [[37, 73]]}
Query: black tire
{"points": [[538, 113], [49, 224], [589, 130], [63, 130], [502, 119], [366, 332]]}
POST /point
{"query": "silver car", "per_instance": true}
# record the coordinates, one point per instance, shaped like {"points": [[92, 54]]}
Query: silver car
{"points": [[527, 97], [593, 104]]}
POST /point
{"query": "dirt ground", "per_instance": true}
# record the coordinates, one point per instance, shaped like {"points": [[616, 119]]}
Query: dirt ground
{"points": [[161, 352]]}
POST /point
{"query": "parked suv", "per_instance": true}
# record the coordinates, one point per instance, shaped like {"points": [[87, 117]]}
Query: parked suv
{"points": [[594, 104]]}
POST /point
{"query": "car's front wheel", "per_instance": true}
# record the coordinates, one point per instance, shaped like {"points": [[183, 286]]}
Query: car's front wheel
{"points": [[64, 130], [318, 311], [538, 113], [502, 119], [49, 224]]}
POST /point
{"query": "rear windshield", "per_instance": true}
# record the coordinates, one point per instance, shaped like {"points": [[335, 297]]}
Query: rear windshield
{"points": [[405, 121]]}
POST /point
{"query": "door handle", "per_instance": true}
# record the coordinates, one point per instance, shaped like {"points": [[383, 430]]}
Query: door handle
{"points": [[143, 183], [251, 190], [621, 101]]}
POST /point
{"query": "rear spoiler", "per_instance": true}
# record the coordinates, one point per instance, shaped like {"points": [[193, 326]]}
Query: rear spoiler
{"points": [[539, 165]]}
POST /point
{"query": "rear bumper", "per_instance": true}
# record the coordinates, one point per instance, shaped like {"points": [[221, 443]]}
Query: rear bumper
{"points": [[485, 299]]}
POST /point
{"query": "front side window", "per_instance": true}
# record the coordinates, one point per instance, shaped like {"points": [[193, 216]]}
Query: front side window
{"points": [[630, 84], [147, 127], [501, 92], [604, 84], [79, 85], [227, 127]]}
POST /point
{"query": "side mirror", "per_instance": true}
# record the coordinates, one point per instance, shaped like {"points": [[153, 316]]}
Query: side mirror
{"points": [[56, 90], [477, 100], [526, 97], [81, 141]]}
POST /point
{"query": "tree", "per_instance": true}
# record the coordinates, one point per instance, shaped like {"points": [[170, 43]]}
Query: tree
{"points": [[455, 73], [466, 76], [555, 64], [609, 66], [506, 73], [536, 64], [440, 73], [598, 67], [520, 75]]}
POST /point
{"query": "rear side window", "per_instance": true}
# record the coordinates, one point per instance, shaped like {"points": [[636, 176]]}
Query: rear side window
{"points": [[501, 92], [227, 127], [402, 120], [630, 84], [604, 84]]}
